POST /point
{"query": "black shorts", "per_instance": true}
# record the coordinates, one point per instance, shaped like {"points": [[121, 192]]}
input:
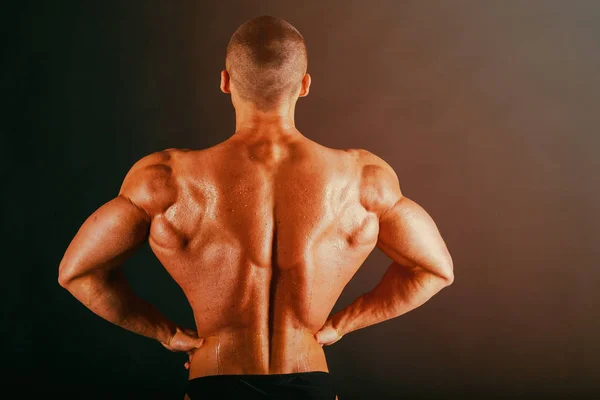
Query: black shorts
{"points": [[303, 385]]}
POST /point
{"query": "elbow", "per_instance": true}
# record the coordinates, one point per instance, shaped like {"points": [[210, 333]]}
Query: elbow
{"points": [[64, 280], [444, 271], [66, 275], [449, 279], [449, 273]]}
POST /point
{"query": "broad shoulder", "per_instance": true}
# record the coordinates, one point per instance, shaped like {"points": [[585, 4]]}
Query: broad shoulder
{"points": [[150, 183], [379, 185]]}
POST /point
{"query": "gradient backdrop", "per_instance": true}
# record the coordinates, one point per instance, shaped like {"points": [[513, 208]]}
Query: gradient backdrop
{"points": [[488, 111]]}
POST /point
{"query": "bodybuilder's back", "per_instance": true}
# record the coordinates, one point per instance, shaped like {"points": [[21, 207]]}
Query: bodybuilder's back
{"points": [[262, 235]]}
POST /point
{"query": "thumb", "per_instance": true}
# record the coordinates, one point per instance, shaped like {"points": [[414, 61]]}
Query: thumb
{"points": [[327, 335]]}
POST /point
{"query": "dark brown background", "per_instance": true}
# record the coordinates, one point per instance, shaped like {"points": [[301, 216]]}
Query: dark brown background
{"points": [[488, 111]]}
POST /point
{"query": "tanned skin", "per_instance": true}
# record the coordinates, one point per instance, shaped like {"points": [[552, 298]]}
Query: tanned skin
{"points": [[262, 232]]}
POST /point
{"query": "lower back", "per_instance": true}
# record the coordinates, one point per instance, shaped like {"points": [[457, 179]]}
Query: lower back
{"points": [[248, 351]]}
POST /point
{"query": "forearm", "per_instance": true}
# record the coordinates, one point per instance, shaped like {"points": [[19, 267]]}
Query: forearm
{"points": [[400, 290], [109, 295]]}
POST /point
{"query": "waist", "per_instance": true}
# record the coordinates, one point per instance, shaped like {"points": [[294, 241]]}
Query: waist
{"points": [[244, 351]]}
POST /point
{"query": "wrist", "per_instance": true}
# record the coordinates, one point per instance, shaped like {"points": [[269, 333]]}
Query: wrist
{"points": [[349, 318], [340, 321], [167, 332]]}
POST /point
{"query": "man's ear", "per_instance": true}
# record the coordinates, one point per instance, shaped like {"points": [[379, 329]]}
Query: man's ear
{"points": [[305, 85], [225, 81]]}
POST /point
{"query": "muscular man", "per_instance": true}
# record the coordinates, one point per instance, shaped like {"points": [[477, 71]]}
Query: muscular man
{"points": [[262, 232]]}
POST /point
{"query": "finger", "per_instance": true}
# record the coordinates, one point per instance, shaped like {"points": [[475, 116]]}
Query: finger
{"points": [[187, 365]]}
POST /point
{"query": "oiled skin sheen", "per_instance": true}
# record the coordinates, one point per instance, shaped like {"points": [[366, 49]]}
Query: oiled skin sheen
{"points": [[262, 235]]}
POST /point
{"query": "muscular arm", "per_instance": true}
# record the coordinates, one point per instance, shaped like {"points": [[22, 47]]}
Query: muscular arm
{"points": [[421, 265], [90, 269]]}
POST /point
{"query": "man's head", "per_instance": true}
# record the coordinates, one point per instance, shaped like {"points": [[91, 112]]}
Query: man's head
{"points": [[266, 63]]}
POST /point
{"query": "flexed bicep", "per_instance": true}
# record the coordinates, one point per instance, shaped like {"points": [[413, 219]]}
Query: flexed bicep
{"points": [[407, 233], [106, 238], [116, 229], [409, 236]]}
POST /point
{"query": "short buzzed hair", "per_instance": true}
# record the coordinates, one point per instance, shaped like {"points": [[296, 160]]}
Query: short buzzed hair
{"points": [[266, 59]]}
